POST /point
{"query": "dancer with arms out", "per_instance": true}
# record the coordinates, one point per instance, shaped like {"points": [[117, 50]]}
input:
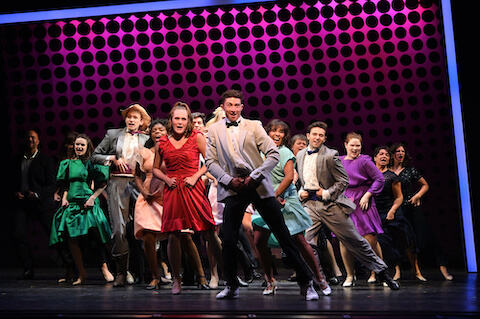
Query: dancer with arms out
{"points": [[234, 158]]}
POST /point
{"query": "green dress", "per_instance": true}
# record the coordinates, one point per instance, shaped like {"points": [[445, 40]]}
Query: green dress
{"points": [[296, 218], [75, 220]]}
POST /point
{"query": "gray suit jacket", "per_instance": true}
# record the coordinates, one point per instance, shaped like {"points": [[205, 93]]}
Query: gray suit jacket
{"points": [[331, 176], [253, 140], [112, 144]]}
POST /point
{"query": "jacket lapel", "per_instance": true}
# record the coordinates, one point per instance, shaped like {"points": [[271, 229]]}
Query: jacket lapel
{"points": [[121, 138], [320, 161], [300, 159], [242, 132]]}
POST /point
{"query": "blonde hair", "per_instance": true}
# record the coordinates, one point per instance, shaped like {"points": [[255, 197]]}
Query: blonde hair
{"points": [[219, 114]]}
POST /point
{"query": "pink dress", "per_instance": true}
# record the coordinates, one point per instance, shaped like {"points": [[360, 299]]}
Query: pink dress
{"points": [[148, 216], [364, 176], [183, 207]]}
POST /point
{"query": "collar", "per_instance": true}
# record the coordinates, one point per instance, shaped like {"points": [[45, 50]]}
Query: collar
{"points": [[227, 121], [31, 157]]}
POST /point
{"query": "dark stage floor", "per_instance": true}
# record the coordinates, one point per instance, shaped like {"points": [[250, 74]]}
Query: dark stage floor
{"points": [[43, 297]]}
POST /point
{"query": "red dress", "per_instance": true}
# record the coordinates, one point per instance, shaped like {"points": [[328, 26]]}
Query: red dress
{"points": [[183, 207]]}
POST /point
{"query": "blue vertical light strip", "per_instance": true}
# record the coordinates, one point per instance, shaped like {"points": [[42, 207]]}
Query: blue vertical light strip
{"points": [[459, 135]]}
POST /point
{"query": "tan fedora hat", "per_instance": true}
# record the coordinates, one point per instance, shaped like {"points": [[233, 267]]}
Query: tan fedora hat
{"points": [[137, 107]]}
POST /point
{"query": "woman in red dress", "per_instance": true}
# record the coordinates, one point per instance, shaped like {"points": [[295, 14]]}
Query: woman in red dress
{"points": [[185, 203]]}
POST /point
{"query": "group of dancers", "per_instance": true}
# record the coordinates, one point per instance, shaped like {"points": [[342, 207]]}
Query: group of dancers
{"points": [[190, 176]]}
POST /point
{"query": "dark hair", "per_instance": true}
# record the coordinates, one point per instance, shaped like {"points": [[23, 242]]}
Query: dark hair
{"points": [[181, 106], [231, 93], [319, 124], [284, 126], [150, 143], [200, 115], [408, 159], [85, 157], [386, 148], [68, 139]]}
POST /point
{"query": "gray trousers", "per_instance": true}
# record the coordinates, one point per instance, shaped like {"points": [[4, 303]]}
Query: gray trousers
{"points": [[119, 192], [342, 226]]}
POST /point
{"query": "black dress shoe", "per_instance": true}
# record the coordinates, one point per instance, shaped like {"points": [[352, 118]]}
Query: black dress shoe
{"points": [[241, 283], [333, 281], [384, 277], [26, 275]]}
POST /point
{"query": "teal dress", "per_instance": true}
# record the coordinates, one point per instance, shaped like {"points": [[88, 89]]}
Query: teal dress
{"points": [[296, 218], [75, 220]]}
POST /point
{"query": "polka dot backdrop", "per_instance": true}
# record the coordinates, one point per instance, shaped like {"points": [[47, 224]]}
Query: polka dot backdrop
{"points": [[375, 67]]}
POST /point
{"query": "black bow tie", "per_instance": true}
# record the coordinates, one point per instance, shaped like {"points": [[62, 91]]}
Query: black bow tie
{"points": [[314, 151], [231, 124]]}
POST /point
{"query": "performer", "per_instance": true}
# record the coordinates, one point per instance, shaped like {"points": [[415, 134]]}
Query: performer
{"points": [[365, 182], [323, 180], [414, 187], [80, 213], [120, 149], [234, 158], [185, 203], [398, 238], [296, 218]]}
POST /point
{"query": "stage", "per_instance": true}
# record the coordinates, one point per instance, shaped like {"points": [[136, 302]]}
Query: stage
{"points": [[44, 297]]}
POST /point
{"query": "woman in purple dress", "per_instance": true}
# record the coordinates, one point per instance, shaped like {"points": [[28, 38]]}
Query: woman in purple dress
{"points": [[365, 182]]}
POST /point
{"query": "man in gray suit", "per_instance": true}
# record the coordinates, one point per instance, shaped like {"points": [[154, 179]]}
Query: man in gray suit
{"points": [[120, 149], [323, 180], [234, 157]]}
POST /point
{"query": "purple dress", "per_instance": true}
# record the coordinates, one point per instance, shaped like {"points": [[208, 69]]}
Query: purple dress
{"points": [[364, 176]]}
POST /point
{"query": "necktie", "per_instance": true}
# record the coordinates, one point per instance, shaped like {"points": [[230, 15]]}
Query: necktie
{"points": [[311, 152], [231, 124], [133, 132]]}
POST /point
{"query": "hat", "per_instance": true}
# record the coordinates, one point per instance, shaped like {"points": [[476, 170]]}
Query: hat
{"points": [[137, 107]]}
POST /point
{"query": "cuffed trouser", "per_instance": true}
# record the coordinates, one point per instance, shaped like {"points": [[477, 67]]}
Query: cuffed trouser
{"points": [[269, 209], [342, 226], [118, 192]]}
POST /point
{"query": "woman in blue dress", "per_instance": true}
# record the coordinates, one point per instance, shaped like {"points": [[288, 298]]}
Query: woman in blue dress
{"points": [[296, 218], [80, 213]]}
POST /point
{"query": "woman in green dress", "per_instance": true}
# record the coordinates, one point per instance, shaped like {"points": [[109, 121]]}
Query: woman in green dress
{"points": [[80, 213], [296, 218]]}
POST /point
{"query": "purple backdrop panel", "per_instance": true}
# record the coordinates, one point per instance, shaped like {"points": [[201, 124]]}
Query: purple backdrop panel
{"points": [[375, 67]]}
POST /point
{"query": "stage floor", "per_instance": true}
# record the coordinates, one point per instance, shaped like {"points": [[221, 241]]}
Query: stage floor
{"points": [[44, 297]]}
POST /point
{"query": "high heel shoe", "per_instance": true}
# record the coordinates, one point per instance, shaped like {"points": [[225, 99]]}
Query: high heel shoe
{"points": [[107, 275], [420, 278], [372, 279], [177, 286], [271, 288], [349, 281], [79, 281], [445, 273], [154, 284], [213, 282], [202, 283]]}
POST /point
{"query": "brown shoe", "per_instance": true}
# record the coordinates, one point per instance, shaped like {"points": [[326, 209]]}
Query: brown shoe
{"points": [[120, 280]]}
